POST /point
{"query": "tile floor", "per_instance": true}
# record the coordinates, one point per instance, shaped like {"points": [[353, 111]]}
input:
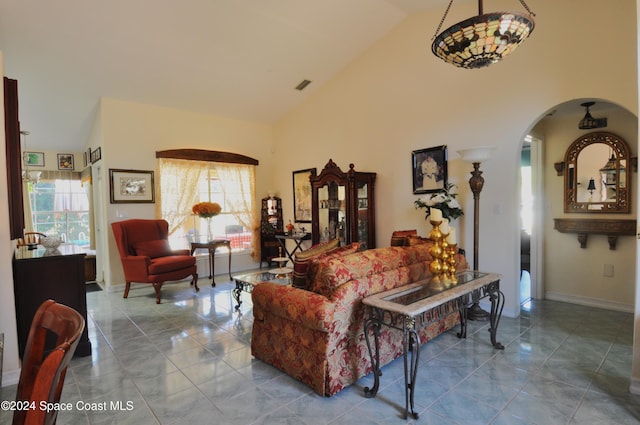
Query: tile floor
{"points": [[188, 361]]}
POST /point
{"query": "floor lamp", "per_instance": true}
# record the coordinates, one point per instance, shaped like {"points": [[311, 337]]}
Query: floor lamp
{"points": [[476, 156]]}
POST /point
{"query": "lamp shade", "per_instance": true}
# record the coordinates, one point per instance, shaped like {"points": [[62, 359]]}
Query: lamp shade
{"points": [[482, 40], [478, 154]]}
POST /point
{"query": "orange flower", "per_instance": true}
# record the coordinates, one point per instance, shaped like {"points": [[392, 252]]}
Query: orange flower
{"points": [[206, 209]]}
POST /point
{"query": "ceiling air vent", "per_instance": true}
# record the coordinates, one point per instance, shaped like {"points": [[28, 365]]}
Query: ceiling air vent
{"points": [[303, 84]]}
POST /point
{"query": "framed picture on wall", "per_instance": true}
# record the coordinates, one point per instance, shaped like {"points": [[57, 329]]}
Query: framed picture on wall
{"points": [[34, 159], [131, 186], [96, 155], [429, 169], [65, 161], [302, 195]]}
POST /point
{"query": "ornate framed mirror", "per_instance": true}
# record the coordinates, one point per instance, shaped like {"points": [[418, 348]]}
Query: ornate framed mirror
{"points": [[596, 175]]}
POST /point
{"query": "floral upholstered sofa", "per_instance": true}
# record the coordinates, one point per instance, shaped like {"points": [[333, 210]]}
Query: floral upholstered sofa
{"points": [[316, 334]]}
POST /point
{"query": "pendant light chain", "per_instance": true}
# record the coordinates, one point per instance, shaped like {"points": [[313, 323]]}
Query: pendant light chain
{"points": [[446, 12], [522, 2]]}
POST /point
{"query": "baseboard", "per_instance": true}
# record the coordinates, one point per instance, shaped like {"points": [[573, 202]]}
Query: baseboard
{"points": [[590, 302], [10, 378]]}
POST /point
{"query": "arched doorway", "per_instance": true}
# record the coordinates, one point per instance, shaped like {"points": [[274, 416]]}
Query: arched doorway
{"points": [[559, 268]]}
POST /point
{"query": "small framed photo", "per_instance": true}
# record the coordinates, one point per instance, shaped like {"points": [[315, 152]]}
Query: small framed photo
{"points": [[302, 195], [96, 155], [65, 161], [429, 169], [35, 159], [131, 186]]}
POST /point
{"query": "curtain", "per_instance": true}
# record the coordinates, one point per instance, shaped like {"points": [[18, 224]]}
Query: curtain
{"points": [[86, 184], [28, 215], [238, 183], [177, 189]]}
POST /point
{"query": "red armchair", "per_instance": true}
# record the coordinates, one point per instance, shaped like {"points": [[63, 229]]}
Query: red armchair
{"points": [[147, 257]]}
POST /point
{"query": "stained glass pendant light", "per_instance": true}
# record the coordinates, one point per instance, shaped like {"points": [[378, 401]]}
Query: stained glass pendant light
{"points": [[484, 39]]}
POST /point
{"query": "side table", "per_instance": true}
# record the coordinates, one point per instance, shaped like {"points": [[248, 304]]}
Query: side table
{"points": [[297, 239], [211, 246]]}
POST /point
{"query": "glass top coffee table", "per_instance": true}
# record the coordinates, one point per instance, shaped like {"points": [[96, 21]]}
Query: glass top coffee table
{"points": [[412, 307], [246, 282]]}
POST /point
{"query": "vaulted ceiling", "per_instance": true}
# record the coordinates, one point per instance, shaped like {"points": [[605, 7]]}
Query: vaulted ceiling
{"points": [[234, 58]]}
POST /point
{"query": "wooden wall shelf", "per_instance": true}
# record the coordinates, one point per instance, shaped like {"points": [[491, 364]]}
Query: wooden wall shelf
{"points": [[584, 227]]}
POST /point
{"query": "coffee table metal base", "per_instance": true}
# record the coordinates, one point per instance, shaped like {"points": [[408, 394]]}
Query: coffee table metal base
{"points": [[246, 283], [410, 324]]}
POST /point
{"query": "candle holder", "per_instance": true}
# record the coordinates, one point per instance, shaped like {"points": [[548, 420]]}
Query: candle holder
{"points": [[436, 252], [440, 263], [444, 259], [453, 250]]}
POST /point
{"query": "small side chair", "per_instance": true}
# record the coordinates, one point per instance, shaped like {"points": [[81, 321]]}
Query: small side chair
{"points": [[43, 367]]}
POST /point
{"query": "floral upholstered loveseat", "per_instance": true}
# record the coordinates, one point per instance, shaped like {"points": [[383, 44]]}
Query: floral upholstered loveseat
{"points": [[316, 334]]}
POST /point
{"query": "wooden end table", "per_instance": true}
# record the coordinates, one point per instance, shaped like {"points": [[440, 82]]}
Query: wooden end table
{"points": [[211, 246]]}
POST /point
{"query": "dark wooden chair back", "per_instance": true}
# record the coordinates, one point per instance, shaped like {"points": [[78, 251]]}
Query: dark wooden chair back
{"points": [[44, 369], [31, 238]]}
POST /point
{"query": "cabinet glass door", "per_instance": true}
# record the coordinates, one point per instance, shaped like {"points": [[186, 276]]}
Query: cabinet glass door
{"points": [[332, 212], [362, 217], [273, 217]]}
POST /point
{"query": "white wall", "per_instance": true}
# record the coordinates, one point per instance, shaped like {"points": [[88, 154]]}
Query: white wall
{"points": [[398, 97]]}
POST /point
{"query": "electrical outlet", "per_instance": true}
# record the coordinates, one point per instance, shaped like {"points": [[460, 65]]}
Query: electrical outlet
{"points": [[608, 270]]}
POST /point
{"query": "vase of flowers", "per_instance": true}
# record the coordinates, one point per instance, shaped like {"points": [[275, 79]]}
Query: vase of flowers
{"points": [[207, 210], [444, 200]]}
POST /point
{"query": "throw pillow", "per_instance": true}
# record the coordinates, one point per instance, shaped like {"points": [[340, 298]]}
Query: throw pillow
{"points": [[417, 240], [303, 258], [153, 249], [313, 267], [399, 237]]}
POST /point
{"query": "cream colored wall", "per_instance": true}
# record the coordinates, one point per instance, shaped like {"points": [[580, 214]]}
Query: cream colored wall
{"points": [[131, 134], [51, 160], [398, 97], [10, 361], [571, 273], [635, 372]]}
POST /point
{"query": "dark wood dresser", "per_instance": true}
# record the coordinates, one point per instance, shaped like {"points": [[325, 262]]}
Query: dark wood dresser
{"points": [[39, 275]]}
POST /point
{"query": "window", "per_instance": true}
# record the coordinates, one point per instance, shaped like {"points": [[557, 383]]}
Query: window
{"points": [[60, 206], [183, 183]]}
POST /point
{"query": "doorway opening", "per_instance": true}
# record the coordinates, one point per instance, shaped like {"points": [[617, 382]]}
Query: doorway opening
{"points": [[526, 222], [530, 219]]}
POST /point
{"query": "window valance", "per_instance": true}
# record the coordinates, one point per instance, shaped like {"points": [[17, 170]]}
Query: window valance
{"points": [[207, 155]]}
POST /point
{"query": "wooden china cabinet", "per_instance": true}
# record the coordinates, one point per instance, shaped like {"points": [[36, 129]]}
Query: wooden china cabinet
{"points": [[271, 224], [343, 206]]}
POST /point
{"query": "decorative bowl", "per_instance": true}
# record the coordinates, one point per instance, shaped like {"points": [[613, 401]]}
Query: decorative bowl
{"points": [[51, 242]]}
